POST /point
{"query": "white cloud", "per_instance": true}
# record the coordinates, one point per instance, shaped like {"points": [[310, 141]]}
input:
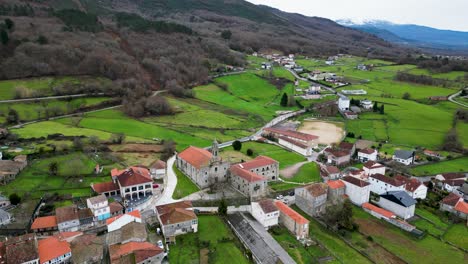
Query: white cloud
{"points": [[443, 14]]}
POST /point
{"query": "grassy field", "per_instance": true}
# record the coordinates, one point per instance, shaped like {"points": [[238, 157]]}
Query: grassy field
{"points": [[455, 165], [75, 174], [184, 185], [458, 235], [308, 173], [214, 243]]}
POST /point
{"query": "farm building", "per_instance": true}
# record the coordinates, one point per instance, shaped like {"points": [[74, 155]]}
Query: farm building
{"points": [[398, 202], [293, 221], [299, 142], [266, 212], [357, 190]]}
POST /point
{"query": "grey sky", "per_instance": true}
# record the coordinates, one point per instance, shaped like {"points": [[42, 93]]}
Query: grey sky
{"points": [[443, 14]]}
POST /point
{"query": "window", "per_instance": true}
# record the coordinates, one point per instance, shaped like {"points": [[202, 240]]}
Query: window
{"points": [[140, 187], [134, 188], [216, 169]]}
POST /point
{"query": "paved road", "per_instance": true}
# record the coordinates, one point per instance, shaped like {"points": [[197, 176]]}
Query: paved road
{"points": [[450, 98], [170, 184], [49, 98]]}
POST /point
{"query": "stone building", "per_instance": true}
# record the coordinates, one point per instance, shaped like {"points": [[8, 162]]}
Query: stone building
{"points": [[312, 199]]}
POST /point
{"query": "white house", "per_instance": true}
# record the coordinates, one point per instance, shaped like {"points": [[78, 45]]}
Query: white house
{"points": [[99, 206], [357, 190], [381, 184], [404, 156], [367, 104], [117, 222], [398, 202], [158, 169], [266, 212], [367, 154], [413, 187], [54, 250], [371, 168], [296, 146], [343, 103]]}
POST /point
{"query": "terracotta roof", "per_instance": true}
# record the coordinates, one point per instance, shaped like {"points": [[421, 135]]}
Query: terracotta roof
{"points": [[67, 213], [453, 175], [454, 182], [316, 189], [292, 133], [44, 222], [159, 164], [346, 146], [115, 207], [196, 157], [85, 213], [146, 250], [246, 174], [104, 187], [333, 169], [67, 235], [98, 199], [135, 213], [336, 153], [367, 151], [176, 212], [294, 142], [134, 176], [462, 206], [51, 248], [291, 213], [336, 184], [451, 199], [355, 181], [412, 185], [267, 206], [373, 165], [21, 249], [387, 179], [378, 210], [260, 161]]}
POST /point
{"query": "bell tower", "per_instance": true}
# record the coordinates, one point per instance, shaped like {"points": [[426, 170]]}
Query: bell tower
{"points": [[215, 150]]}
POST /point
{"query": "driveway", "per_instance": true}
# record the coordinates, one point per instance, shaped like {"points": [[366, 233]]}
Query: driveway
{"points": [[170, 184]]}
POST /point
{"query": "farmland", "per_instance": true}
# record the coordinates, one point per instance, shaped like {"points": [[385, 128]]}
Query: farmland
{"points": [[455, 165]]}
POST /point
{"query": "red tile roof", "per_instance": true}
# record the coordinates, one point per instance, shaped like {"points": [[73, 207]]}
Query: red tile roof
{"points": [[355, 181], [145, 249], [346, 146], [292, 133], [159, 164], [336, 153], [134, 176], [333, 169], [291, 213], [453, 175], [462, 206], [316, 189], [455, 182], [267, 206], [115, 207], [104, 187], [378, 210], [451, 199], [196, 157], [336, 184], [367, 151], [246, 174], [65, 214], [412, 185], [294, 142], [44, 222], [373, 165], [51, 248], [387, 179], [135, 213], [260, 161], [176, 212]]}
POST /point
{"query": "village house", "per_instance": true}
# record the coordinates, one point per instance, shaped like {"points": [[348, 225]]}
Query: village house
{"points": [[367, 154], [398, 202], [452, 185], [431, 153], [135, 252], [248, 183], [10, 168], [381, 184], [117, 222], [293, 221], [203, 167], [456, 205], [45, 225], [343, 103], [115, 208], [131, 232], [347, 147], [357, 190], [20, 249], [158, 169], [329, 172], [312, 199], [413, 187], [67, 218], [405, 157], [372, 167], [54, 250], [266, 212], [366, 104], [87, 249], [357, 173], [99, 206], [131, 184], [176, 219], [299, 142], [337, 157], [336, 191]]}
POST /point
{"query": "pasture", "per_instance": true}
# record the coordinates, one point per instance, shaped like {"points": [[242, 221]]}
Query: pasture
{"points": [[454, 165], [184, 185]]}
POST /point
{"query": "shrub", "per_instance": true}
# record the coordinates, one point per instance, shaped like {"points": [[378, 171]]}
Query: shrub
{"points": [[237, 145], [15, 199], [250, 152]]}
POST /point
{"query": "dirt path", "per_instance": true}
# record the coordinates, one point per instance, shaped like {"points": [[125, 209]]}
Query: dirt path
{"points": [[290, 171]]}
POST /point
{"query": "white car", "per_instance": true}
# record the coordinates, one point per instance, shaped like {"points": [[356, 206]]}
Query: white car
{"points": [[280, 197], [160, 244]]}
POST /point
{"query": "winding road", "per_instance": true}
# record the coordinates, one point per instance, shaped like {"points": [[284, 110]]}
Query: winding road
{"points": [[450, 98]]}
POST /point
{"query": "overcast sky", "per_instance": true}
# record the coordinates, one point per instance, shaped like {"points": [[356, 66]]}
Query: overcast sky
{"points": [[442, 14]]}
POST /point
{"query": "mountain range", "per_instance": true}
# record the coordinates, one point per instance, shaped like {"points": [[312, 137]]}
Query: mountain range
{"points": [[413, 35]]}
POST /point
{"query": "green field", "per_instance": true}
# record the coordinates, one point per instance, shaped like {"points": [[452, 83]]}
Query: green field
{"points": [[214, 243], [308, 173], [455, 165], [184, 185], [458, 235], [74, 176]]}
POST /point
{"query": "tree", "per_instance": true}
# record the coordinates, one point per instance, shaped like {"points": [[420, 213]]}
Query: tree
{"points": [[9, 24], [226, 34], [284, 100], [4, 37], [53, 168], [406, 96], [117, 138], [250, 152], [77, 143], [237, 145], [42, 40], [168, 149], [15, 199], [12, 117], [222, 208], [382, 109], [375, 108], [346, 215]]}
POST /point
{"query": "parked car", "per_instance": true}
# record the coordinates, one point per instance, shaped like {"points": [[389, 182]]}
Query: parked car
{"points": [[160, 244], [279, 197], [155, 186]]}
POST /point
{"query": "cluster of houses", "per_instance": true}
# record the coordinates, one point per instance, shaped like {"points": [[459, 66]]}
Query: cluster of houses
{"points": [[285, 61], [351, 111], [10, 168]]}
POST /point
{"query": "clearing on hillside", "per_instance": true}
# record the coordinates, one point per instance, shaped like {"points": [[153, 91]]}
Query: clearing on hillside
{"points": [[328, 132]]}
